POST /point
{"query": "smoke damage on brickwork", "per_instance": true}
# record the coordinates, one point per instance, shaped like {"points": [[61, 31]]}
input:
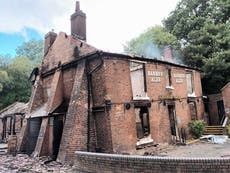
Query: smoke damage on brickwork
{"points": [[85, 99]]}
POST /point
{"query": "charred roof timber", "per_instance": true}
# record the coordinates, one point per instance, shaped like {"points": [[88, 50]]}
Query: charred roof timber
{"points": [[78, 23], [97, 54]]}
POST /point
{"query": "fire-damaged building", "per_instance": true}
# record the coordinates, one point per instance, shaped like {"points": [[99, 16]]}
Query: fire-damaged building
{"points": [[90, 100], [11, 119], [218, 106]]}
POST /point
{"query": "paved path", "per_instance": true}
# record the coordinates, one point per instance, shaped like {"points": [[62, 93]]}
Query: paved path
{"points": [[199, 149]]}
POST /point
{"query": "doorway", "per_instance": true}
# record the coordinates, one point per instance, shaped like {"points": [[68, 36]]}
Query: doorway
{"points": [[34, 125], [58, 123], [220, 107], [142, 122], [173, 123]]}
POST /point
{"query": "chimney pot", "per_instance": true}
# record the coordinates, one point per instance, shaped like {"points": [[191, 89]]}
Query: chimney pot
{"points": [[78, 23], [77, 7]]}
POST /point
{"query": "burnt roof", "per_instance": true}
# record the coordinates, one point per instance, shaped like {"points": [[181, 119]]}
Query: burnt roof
{"points": [[17, 107], [141, 58], [99, 53]]}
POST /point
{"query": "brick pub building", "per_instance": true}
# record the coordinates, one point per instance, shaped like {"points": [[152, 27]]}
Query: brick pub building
{"points": [[89, 100]]}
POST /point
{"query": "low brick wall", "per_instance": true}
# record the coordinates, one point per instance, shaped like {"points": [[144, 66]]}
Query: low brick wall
{"points": [[99, 162]]}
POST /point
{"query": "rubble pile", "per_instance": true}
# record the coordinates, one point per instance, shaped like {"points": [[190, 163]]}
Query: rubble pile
{"points": [[23, 163]]}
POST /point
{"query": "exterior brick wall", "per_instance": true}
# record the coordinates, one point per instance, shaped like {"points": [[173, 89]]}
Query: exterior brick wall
{"points": [[213, 109], [74, 135], [119, 91], [116, 129], [95, 162], [226, 98], [103, 140], [62, 51]]}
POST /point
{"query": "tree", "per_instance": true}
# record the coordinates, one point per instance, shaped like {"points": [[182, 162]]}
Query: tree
{"points": [[4, 62], [16, 86], [203, 29], [32, 49], [151, 43], [14, 72]]}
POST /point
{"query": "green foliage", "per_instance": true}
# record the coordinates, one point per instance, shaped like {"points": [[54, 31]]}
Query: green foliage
{"points": [[3, 78], [197, 128], [14, 72], [203, 29], [32, 49], [228, 129], [217, 73], [151, 42], [14, 84]]}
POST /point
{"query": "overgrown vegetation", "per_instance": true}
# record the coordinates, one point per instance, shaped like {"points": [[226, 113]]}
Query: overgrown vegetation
{"points": [[14, 72], [197, 128]]}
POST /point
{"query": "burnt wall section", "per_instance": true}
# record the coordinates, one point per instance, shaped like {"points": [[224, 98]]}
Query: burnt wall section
{"points": [[74, 135], [95, 162], [119, 92], [65, 49], [54, 100], [36, 100]]}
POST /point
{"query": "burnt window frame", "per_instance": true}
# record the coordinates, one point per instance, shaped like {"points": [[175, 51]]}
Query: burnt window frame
{"points": [[192, 81], [169, 82], [135, 63]]}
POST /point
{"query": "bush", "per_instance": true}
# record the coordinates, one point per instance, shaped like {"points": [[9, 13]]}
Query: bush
{"points": [[197, 128], [228, 129]]}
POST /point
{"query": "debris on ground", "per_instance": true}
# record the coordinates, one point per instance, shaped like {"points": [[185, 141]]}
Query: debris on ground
{"points": [[23, 163], [216, 139]]}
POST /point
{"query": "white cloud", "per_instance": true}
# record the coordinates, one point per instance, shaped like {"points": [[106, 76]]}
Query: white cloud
{"points": [[110, 23]]}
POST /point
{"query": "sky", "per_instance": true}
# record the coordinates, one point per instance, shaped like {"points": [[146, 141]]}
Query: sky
{"points": [[110, 23]]}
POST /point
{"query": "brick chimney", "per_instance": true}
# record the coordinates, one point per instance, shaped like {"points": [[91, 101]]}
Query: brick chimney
{"points": [[78, 23], [50, 37], [168, 54]]}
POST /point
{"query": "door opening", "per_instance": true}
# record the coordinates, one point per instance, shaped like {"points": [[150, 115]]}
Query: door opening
{"points": [[34, 125], [142, 122], [58, 123], [173, 123], [220, 107]]}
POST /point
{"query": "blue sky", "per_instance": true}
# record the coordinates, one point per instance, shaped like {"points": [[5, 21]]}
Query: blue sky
{"points": [[110, 23], [10, 41]]}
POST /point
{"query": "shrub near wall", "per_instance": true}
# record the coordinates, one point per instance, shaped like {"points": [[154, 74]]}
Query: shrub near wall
{"points": [[197, 128], [100, 162]]}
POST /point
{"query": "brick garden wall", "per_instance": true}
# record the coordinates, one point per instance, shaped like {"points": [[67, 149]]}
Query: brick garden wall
{"points": [[97, 162]]}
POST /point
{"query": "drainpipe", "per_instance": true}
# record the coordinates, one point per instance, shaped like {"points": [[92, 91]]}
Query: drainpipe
{"points": [[89, 88]]}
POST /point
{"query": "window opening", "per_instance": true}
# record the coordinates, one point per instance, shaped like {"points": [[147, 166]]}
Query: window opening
{"points": [[138, 81], [190, 84]]}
